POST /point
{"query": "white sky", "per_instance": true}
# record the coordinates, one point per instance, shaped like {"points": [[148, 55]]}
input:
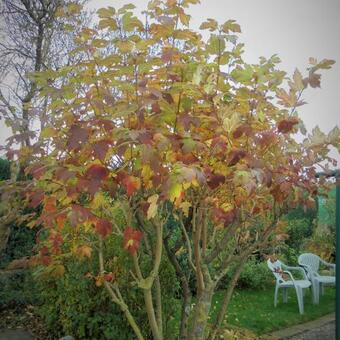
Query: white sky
{"points": [[293, 29]]}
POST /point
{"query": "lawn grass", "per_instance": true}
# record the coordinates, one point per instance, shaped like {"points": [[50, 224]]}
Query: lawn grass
{"points": [[254, 310]]}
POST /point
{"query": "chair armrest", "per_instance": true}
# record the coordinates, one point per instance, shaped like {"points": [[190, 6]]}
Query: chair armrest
{"points": [[327, 264], [290, 275], [298, 269]]}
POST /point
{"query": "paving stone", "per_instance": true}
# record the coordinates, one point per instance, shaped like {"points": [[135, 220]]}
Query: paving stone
{"points": [[325, 332], [15, 334], [320, 329]]}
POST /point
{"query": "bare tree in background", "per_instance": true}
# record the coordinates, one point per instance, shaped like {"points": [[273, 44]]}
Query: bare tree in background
{"points": [[34, 35]]}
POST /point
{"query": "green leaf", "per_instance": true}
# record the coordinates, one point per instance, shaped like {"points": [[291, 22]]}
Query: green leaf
{"points": [[99, 43], [197, 76], [216, 44], [185, 3], [47, 132], [125, 46], [243, 75], [130, 22], [298, 81], [325, 64], [231, 26], [108, 23], [210, 25], [106, 12], [125, 8]]}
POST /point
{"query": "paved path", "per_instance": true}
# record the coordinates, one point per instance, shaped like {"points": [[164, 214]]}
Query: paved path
{"points": [[15, 334], [320, 329]]}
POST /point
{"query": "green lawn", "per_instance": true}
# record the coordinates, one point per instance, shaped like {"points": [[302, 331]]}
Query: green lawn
{"points": [[254, 310]]}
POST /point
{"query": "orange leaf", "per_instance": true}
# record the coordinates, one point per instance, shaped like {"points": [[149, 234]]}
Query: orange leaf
{"points": [[131, 184], [132, 239], [287, 125]]}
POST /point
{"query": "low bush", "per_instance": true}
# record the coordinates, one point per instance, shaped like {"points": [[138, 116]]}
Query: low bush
{"points": [[255, 275], [77, 306], [5, 169], [17, 289]]}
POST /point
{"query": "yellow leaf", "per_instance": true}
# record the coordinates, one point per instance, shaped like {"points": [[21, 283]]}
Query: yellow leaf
{"points": [[152, 210], [84, 251], [98, 201], [175, 191], [185, 206], [146, 175], [58, 270]]}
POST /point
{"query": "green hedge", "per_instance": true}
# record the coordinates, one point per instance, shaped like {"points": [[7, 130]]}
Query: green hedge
{"points": [[5, 169]]}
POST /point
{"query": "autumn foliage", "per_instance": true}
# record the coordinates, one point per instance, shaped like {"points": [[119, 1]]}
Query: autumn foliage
{"points": [[156, 122]]}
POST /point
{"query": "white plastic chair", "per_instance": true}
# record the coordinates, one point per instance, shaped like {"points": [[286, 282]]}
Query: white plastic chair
{"points": [[278, 268], [311, 263]]}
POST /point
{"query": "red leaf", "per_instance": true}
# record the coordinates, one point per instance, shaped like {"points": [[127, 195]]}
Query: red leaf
{"points": [[155, 108], [97, 172], [187, 159], [35, 198], [103, 227], [215, 180], [168, 97], [36, 170], [286, 125], [266, 138], [79, 214], [145, 137], [78, 135], [63, 174], [235, 156], [132, 239], [314, 80], [243, 129], [109, 277], [57, 241], [100, 149], [50, 204], [167, 55]]}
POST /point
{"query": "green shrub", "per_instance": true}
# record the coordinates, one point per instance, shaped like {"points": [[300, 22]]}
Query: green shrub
{"points": [[74, 305], [298, 230], [255, 275], [20, 243], [17, 289], [5, 169]]}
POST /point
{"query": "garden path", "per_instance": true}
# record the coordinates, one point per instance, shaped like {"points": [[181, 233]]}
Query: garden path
{"points": [[15, 334], [320, 329]]}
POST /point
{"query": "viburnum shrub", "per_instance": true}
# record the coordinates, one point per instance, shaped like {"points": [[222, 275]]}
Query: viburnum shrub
{"points": [[155, 123]]}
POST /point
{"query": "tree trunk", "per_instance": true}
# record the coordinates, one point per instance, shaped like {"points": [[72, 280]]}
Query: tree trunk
{"points": [[185, 312], [186, 293], [226, 300], [201, 313]]}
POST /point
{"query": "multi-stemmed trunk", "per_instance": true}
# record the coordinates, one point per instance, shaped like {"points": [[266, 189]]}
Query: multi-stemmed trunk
{"points": [[201, 313]]}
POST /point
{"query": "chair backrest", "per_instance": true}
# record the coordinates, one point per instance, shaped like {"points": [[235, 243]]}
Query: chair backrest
{"points": [[311, 260], [276, 269]]}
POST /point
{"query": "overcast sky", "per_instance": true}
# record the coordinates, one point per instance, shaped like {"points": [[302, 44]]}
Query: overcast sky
{"points": [[293, 29]]}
